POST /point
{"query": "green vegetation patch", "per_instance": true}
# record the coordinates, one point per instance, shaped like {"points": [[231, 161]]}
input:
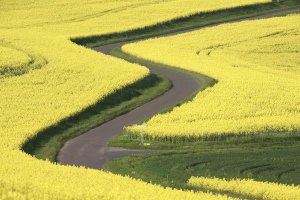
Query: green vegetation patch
{"points": [[266, 161]]}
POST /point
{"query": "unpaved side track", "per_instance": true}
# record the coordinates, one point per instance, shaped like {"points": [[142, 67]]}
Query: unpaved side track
{"points": [[91, 150]]}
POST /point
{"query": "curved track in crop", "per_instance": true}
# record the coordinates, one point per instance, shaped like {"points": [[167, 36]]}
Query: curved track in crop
{"points": [[91, 149]]}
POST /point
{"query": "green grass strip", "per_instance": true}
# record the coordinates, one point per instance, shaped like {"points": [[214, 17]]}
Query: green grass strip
{"points": [[47, 143]]}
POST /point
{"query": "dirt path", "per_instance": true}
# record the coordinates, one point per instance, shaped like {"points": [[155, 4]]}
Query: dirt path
{"points": [[91, 150]]}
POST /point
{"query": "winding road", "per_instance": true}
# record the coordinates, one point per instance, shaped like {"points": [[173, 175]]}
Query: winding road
{"points": [[90, 149]]}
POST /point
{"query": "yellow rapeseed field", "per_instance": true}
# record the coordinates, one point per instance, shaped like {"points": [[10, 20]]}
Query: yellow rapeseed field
{"points": [[249, 188], [8, 58], [46, 78], [257, 67]]}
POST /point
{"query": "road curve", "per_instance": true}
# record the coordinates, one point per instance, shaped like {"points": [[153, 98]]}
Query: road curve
{"points": [[90, 149]]}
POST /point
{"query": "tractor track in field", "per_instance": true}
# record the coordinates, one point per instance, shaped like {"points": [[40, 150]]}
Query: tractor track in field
{"points": [[91, 148]]}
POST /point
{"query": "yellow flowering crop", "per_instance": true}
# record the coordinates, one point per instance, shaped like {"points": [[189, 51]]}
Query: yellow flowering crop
{"points": [[257, 67], [249, 188], [75, 18], [9, 55], [56, 78]]}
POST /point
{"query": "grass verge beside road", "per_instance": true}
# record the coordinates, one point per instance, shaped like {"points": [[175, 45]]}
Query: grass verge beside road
{"points": [[48, 143]]}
